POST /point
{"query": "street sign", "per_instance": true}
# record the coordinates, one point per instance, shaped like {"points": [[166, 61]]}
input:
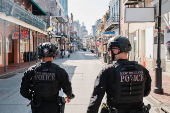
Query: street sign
{"points": [[24, 35], [98, 43], [140, 14]]}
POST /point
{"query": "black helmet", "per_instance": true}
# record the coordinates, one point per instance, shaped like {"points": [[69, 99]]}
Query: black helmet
{"points": [[47, 49], [121, 42]]}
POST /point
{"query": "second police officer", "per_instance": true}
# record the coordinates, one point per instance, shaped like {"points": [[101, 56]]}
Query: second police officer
{"points": [[124, 82], [41, 83]]}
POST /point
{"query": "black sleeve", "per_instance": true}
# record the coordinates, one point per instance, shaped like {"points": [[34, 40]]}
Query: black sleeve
{"points": [[66, 84], [147, 83], [98, 92], [25, 84]]}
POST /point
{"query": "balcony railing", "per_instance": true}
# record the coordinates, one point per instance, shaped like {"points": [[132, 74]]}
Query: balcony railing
{"points": [[112, 20], [10, 8], [131, 2]]}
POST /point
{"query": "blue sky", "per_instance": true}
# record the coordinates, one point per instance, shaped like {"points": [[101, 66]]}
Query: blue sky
{"points": [[87, 11]]}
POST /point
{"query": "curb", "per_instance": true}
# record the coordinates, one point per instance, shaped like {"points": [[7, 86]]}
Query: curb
{"points": [[162, 108], [8, 74]]}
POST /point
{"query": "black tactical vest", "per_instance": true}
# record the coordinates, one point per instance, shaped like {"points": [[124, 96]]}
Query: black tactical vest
{"points": [[129, 86], [45, 81]]}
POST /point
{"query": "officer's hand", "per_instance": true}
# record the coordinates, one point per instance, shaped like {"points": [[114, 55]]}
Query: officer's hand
{"points": [[67, 99]]}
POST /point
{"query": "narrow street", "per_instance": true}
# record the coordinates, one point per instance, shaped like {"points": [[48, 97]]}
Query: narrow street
{"points": [[82, 68]]}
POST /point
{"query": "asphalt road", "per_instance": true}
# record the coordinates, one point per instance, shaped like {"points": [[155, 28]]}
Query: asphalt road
{"points": [[82, 68]]}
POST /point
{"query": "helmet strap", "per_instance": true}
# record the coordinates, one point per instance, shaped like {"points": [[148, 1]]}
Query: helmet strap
{"points": [[113, 55]]}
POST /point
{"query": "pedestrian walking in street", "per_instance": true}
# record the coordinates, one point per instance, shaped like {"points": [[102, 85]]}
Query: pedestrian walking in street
{"points": [[124, 82], [41, 83]]}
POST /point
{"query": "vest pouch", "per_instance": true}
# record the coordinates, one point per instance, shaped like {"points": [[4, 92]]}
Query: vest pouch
{"points": [[44, 89]]}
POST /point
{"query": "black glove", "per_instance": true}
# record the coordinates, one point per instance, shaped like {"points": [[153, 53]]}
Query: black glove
{"points": [[72, 96]]}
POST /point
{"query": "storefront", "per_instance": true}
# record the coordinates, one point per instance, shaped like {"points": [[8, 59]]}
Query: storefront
{"points": [[20, 43], [1, 49]]}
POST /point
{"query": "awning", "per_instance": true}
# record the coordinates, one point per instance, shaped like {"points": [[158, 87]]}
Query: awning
{"points": [[131, 2], [108, 33], [56, 36], [110, 27], [36, 9], [58, 19], [73, 32]]}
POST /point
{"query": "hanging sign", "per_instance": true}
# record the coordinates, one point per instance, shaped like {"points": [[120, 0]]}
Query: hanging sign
{"points": [[98, 43], [24, 35]]}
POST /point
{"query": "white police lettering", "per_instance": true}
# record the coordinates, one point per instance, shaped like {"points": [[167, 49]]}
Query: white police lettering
{"points": [[133, 76], [44, 76]]}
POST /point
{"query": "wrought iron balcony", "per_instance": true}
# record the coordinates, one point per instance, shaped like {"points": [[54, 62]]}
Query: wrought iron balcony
{"points": [[111, 22], [11, 8], [131, 2]]}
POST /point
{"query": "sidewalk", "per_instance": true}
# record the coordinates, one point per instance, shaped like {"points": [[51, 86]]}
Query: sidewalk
{"points": [[163, 100], [13, 68]]}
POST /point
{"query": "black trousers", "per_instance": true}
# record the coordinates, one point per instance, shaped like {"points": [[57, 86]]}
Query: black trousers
{"points": [[130, 111], [110, 110], [46, 107]]}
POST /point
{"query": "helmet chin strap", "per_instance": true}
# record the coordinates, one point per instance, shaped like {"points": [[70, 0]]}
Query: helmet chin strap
{"points": [[113, 55]]}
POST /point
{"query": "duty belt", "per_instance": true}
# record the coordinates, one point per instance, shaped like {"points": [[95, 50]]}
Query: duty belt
{"points": [[110, 109]]}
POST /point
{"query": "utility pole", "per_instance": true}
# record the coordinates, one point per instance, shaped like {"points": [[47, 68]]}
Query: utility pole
{"points": [[119, 17], [5, 24], [19, 47], [36, 44], [158, 70]]}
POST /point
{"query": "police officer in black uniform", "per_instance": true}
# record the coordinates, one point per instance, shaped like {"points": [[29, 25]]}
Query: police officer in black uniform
{"points": [[41, 83], [124, 82]]}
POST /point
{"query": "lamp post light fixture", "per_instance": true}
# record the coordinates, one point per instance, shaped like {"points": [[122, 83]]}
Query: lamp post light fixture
{"points": [[158, 70]]}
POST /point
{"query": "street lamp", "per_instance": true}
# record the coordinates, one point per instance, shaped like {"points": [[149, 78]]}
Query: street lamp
{"points": [[158, 70]]}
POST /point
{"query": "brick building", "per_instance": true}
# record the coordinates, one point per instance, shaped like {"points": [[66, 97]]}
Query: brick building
{"points": [[21, 31]]}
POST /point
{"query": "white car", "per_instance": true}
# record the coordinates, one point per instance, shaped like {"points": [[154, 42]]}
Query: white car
{"points": [[65, 54]]}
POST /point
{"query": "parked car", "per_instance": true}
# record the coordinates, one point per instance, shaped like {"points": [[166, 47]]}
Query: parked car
{"points": [[65, 54], [92, 50], [84, 49]]}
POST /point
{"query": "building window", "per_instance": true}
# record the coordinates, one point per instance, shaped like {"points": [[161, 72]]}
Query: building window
{"points": [[161, 39], [9, 45]]}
